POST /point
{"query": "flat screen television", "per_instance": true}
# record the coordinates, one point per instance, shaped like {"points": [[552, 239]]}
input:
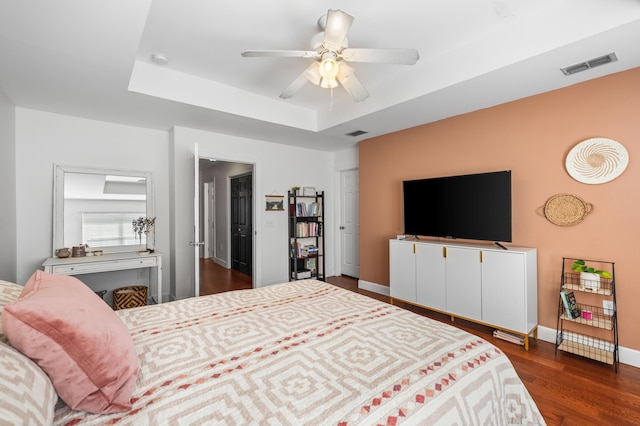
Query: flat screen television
{"points": [[474, 206]]}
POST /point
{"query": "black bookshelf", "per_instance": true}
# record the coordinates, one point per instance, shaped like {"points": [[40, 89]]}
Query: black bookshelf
{"points": [[306, 236]]}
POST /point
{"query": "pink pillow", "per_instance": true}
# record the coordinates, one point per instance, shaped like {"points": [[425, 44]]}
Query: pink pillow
{"points": [[76, 339]]}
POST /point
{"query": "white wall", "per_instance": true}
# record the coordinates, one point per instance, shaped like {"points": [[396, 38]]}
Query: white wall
{"points": [[277, 168], [7, 190], [43, 139]]}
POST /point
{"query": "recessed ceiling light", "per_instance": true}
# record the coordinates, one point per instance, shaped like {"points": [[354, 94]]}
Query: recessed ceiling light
{"points": [[160, 58]]}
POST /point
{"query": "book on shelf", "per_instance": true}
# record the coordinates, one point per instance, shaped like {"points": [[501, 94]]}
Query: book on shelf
{"points": [[307, 229], [315, 209], [570, 304], [309, 250], [296, 249], [306, 210]]}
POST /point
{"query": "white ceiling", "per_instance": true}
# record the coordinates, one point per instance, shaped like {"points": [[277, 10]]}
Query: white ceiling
{"points": [[92, 58]]}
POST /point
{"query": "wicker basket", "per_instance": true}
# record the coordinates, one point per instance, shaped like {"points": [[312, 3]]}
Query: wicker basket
{"points": [[566, 209], [129, 297]]}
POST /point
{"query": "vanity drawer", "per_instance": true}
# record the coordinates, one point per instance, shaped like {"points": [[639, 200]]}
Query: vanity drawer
{"points": [[104, 266]]}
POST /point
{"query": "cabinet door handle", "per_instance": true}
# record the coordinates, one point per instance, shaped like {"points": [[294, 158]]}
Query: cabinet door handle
{"points": [[444, 252], [480, 256]]}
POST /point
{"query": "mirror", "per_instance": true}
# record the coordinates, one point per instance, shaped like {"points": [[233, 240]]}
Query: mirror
{"points": [[96, 207]]}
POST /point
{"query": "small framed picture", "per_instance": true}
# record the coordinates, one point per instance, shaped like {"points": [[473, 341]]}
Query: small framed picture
{"points": [[309, 191], [274, 202]]}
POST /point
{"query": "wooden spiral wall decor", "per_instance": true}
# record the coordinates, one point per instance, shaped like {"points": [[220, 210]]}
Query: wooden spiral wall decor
{"points": [[597, 160]]}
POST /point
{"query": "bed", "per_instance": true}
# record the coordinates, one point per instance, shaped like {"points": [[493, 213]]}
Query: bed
{"points": [[303, 352]]}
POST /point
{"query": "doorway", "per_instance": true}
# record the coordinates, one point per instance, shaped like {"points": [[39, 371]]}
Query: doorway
{"points": [[226, 202]]}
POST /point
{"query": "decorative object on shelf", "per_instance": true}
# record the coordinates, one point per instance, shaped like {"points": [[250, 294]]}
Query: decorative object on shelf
{"points": [[274, 203], [78, 251], [309, 191], [295, 190], [565, 209], [146, 226], [589, 277], [63, 252], [597, 160]]}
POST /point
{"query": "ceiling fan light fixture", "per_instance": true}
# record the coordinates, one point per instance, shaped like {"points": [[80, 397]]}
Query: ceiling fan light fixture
{"points": [[329, 66], [312, 73], [329, 83]]}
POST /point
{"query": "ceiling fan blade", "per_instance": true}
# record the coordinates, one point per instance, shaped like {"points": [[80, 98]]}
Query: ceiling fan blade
{"points": [[280, 54], [311, 74], [386, 56], [351, 84], [336, 28]]}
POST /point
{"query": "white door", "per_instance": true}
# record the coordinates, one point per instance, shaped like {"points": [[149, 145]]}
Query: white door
{"points": [[350, 226], [196, 243]]}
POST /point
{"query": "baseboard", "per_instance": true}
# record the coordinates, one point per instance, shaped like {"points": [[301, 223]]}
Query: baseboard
{"points": [[627, 356], [373, 287], [220, 262]]}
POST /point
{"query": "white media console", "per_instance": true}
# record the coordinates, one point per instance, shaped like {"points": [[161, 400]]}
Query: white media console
{"points": [[475, 282]]}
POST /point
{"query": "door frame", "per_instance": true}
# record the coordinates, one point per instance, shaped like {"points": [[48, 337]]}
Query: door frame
{"points": [[256, 268], [209, 219]]}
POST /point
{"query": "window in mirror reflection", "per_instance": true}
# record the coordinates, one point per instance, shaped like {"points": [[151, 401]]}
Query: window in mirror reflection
{"points": [[110, 229], [99, 209]]}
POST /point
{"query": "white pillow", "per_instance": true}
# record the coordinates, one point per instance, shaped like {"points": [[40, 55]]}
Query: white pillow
{"points": [[8, 293], [28, 396]]}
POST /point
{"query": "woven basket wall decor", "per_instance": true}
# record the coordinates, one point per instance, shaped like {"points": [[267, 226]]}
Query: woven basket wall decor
{"points": [[597, 160], [566, 209], [129, 297]]}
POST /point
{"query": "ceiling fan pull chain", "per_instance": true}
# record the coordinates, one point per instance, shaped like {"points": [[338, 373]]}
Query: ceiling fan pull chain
{"points": [[331, 104]]}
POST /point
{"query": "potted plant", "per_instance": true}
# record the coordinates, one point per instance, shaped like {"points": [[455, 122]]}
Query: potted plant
{"points": [[295, 190], [144, 225], [589, 277]]}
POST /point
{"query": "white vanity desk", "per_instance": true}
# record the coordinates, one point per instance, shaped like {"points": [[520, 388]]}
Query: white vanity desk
{"points": [[106, 263]]}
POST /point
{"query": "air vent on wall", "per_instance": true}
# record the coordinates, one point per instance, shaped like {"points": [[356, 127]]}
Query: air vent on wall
{"points": [[592, 63], [357, 133]]}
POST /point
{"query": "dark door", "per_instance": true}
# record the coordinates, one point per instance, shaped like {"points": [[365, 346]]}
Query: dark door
{"points": [[241, 225]]}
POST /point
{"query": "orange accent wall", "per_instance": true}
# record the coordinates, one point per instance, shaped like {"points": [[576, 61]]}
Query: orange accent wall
{"points": [[531, 137]]}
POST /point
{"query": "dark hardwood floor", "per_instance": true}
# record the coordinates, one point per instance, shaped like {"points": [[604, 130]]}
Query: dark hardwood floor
{"points": [[216, 279], [569, 390]]}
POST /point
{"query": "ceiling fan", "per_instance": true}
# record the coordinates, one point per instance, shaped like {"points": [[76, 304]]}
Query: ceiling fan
{"points": [[330, 50]]}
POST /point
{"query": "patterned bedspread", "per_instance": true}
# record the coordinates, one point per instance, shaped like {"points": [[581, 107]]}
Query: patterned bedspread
{"points": [[310, 353]]}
